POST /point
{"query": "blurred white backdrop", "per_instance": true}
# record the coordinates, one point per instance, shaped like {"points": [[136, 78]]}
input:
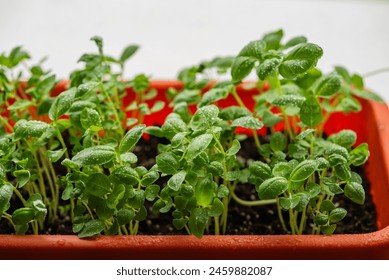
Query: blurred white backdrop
{"points": [[177, 33]]}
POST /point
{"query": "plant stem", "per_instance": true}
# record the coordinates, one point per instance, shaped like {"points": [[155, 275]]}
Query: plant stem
{"points": [[16, 191], [113, 108], [217, 226], [252, 203], [286, 120], [241, 104], [375, 72], [302, 221], [279, 211]]}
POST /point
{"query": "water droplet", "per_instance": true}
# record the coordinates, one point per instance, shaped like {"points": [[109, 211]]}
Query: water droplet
{"points": [[61, 242]]}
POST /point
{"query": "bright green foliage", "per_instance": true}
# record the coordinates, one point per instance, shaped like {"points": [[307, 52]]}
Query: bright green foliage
{"points": [[199, 167]]}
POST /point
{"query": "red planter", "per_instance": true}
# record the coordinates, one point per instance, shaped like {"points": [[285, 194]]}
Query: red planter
{"points": [[371, 125]]}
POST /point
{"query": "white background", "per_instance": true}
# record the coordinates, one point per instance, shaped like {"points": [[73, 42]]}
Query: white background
{"points": [[178, 33], [281, 270]]}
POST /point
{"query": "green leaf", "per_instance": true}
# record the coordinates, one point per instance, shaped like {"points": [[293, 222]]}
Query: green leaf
{"points": [[241, 68], [173, 125], [6, 192], [20, 104], [86, 88], [343, 172], [273, 39], [205, 191], [345, 138], [90, 117], [97, 184], [204, 118], [272, 188], [125, 175], [141, 83], [304, 200], [282, 169], [23, 215], [337, 215], [305, 133], [234, 149], [299, 60], [179, 223], [197, 222], [131, 138], [321, 219], [176, 180], [125, 216], [268, 68], [151, 192], [149, 178], [44, 87], [253, 49], [91, 228], [303, 170], [128, 52], [62, 103], [198, 145], [167, 163], [26, 129], [344, 73], [328, 230], [360, 154], [54, 156], [357, 81], [336, 159], [355, 192], [313, 189], [222, 191], [332, 185], [289, 202], [278, 141], [216, 208], [141, 215], [327, 86], [366, 94], [327, 205], [269, 119], [17, 55], [97, 155], [213, 95], [295, 41], [36, 203], [158, 106], [288, 100], [310, 113], [247, 122], [349, 104], [233, 112], [130, 158], [23, 177], [260, 169]]}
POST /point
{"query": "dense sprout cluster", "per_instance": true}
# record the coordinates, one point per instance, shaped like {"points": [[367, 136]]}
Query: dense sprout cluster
{"points": [[74, 153]]}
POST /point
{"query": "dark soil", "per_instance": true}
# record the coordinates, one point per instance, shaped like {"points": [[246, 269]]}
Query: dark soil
{"points": [[241, 219], [263, 219]]}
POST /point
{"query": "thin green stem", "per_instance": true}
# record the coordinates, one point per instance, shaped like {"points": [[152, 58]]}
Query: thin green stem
{"points": [[113, 108], [286, 119], [217, 225], [252, 203], [281, 218], [20, 196], [375, 72], [302, 221]]}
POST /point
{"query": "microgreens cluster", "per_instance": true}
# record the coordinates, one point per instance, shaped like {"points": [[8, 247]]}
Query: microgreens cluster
{"points": [[74, 153]]}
